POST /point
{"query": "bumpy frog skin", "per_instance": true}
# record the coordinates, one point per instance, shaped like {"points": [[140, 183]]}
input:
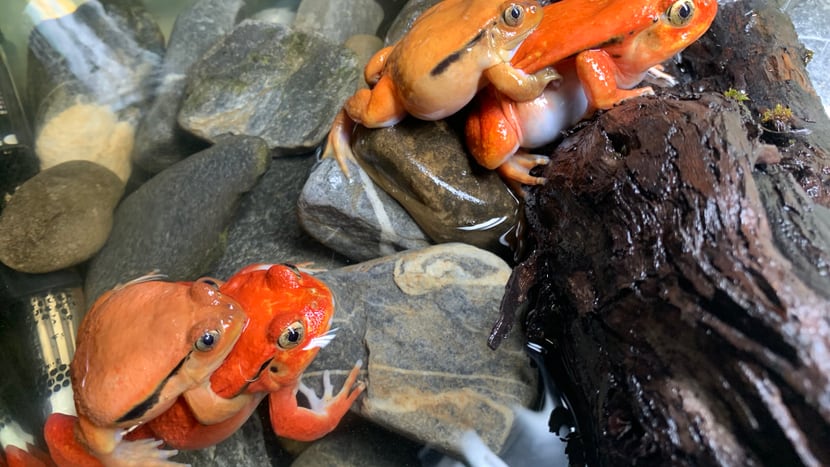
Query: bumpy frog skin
{"points": [[290, 318], [140, 347], [454, 49], [608, 46]]}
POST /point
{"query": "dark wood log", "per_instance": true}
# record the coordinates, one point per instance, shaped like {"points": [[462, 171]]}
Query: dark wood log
{"points": [[679, 274], [753, 47]]}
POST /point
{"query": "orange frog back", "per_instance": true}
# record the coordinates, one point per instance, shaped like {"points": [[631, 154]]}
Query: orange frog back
{"points": [[571, 26]]}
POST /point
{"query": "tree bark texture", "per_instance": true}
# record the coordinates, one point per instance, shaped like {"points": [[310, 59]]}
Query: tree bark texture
{"points": [[679, 274]]}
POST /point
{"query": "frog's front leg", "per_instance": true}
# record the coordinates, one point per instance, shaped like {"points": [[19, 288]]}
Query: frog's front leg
{"points": [[210, 408], [302, 424], [518, 85], [598, 74], [109, 447]]}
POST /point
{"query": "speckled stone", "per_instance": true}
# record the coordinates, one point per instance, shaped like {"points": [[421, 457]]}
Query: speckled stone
{"points": [[177, 221], [420, 321], [59, 218], [267, 80]]}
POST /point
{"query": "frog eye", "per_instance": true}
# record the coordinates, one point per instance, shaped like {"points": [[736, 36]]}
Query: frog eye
{"points": [[513, 15], [681, 12], [206, 341], [291, 336]]}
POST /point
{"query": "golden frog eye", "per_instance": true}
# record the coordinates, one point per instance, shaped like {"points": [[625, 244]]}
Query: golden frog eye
{"points": [[681, 12], [207, 341], [513, 15], [291, 336]]}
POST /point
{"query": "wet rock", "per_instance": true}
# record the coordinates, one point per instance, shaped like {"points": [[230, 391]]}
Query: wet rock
{"points": [[265, 229], [176, 222], [359, 445], [159, 140], [354, 216], [87, 105], [339, 19], [58, 218], [266, 80], [403, 21], [419, 320], [424, 166]]}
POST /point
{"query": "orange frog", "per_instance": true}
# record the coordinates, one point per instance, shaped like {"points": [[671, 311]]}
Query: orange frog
{"points": [[603, 48], [290, 318], [140, 347], [454, 49]]}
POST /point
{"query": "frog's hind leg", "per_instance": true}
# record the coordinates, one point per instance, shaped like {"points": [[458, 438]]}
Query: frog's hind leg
{"points": [[339, 141], [517, 168], [375, 108], [378, 107]]}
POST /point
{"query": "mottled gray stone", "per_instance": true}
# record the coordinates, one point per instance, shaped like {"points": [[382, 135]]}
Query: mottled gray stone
{"points": [[266, 80], [353, 216], [424, 166], [176, 222], [337, 20], [266, 229], [159, 141], [420, 321], [59, 218], [360, 445]]}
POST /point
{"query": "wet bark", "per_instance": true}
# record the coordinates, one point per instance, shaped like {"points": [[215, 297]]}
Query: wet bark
{"points": [[680, 269], [753, 47]]}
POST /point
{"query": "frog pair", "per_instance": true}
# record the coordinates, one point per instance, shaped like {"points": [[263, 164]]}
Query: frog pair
{"points": [[189, 362], [603, 48]]}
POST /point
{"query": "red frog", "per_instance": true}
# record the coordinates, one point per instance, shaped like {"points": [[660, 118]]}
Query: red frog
{"points": [[290, 316], [140, 347], [603, 48]]}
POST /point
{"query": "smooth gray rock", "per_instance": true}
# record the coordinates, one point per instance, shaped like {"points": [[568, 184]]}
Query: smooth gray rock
{"points": [[353, 216], [177, 222], [266, 229], [337, 20], [359, 445], [59, 218], [425, 167], [403, 21], [419, 320], [266, 80], [159, 142]]}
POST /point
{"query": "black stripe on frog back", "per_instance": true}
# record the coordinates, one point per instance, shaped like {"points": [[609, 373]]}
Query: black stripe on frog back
{"points": [[455, 56], [141, 408]]}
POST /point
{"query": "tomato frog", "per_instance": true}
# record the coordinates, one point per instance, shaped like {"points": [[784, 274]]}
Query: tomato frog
{"points": [[452, 50], [140, 347], [290, 314], [604, 49]]}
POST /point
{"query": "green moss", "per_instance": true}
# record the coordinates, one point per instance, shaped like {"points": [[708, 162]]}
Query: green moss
{"points": [[779, 114], [736, 95]]}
